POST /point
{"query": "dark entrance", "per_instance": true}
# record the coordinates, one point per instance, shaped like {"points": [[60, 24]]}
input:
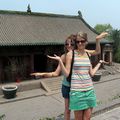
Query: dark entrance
{"points": [[6, 73], [9, 70], [107, 57], [40, 62]]}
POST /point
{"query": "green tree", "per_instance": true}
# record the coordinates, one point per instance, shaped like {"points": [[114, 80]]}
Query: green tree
{"points": [[115, 36], [103, 27], [117, 56]]}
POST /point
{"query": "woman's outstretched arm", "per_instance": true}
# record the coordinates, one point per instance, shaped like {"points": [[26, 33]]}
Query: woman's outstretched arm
{"points": [[50, 74], [95, 69], [98, 48], [65, 68]]}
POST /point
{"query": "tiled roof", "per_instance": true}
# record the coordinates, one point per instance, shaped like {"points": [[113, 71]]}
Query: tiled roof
{"points": [[18, 28]]}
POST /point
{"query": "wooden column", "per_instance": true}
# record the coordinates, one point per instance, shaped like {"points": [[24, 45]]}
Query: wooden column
{"points": [[110, 57]]}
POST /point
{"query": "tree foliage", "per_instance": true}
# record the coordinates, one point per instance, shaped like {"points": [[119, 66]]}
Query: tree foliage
{"points": [[117, 56], [115, 35], [103, 27]]}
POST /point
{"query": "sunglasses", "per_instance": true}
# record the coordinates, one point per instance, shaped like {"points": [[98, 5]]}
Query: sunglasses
{"points": [[69, 44], [82, 41]]}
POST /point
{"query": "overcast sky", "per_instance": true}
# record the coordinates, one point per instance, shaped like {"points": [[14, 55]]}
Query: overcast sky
{"points": [[93, 11]]}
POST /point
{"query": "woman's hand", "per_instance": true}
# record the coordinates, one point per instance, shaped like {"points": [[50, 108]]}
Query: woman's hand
{"points": [[102, 61], [102, 35], [55, 57], [62, 66], [94, 70], [37, 74]]}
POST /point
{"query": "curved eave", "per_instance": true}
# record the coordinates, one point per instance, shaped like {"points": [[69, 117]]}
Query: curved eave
{"points": [[37, 14], [31, 44], [103, 42], [92, 29]]}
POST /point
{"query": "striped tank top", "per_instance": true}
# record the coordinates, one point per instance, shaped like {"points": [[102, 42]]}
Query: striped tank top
{"points": [[81, 79]]}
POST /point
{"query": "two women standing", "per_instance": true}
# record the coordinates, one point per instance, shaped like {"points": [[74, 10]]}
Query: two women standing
{"points": [[82, 94]]}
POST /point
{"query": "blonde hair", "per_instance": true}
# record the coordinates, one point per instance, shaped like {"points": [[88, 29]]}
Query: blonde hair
{"points": [[82, 35]]}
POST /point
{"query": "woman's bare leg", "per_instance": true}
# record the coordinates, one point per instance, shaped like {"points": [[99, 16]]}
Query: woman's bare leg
{"points": [[87, 114], [67, 111], [78, 115]]}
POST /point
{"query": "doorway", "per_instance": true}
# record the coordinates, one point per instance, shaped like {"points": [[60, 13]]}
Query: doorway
{"points": [[40, 63], [107, 57]]}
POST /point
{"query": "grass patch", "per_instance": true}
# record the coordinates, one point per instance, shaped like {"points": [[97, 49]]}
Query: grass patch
{"points": [[2, 117], [117, 96], [53, 118], [61, 117], [99, 102]]}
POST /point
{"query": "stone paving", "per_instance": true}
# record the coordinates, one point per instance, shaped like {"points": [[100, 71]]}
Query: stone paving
{"points": [[33, 108], [113, 114], [33, 104]]}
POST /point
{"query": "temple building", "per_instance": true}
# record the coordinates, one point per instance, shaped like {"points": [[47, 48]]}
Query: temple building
{"points": [[26, 39]]}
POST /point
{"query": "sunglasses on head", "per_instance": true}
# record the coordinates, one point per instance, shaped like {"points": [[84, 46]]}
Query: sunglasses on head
{"points": [[82, 41]]}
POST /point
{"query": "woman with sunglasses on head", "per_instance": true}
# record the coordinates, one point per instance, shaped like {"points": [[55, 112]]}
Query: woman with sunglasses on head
{"points": [[69, 45], [82, 95]]}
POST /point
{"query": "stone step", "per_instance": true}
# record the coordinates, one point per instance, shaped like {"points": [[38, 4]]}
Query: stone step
{"points": [[48, 84], [51, 85]]}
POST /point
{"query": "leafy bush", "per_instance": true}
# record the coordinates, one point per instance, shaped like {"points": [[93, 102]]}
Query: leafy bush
{"points": [[117, 55], [2, 117]]}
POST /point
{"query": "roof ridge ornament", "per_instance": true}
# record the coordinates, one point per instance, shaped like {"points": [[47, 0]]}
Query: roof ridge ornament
{"points": [[79, 13], [28, 9]]}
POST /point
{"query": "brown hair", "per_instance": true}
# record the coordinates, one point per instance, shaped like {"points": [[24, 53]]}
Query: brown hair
{"points": [[72, 38]]}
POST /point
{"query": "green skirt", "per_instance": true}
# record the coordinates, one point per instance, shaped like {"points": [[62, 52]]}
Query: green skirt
{"points": [[81, 100]]}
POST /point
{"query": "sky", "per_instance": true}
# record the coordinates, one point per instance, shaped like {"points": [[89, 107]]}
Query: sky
{"points": [[93, 11]]}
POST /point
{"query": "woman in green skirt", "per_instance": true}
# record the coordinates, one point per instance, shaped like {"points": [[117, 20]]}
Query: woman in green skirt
{"points": [[82, 94]]}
